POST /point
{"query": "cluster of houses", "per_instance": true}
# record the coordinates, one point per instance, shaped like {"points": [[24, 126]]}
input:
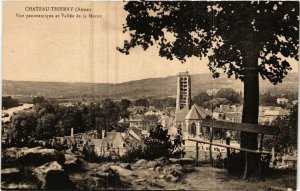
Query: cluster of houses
{"points": [[118, 143], [233, 113], [139, 115], [103, 144]]}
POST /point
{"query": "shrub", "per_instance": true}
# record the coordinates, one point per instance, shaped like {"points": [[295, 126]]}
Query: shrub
{"points": [[133, 154], [90, 156], [158, 144]]}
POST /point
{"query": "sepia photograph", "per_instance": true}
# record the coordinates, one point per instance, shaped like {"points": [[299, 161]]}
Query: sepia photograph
{"points": [[149, 95]]}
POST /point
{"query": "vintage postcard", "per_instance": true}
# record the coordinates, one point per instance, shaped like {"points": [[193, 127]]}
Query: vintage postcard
{"points": [[149, 95]]}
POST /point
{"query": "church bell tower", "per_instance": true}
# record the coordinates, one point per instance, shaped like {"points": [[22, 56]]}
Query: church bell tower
{"points": [[183, 97]]}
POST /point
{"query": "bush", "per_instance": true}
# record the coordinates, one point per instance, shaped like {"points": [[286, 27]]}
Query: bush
{"points": [[158, 144], [134, 154], [90, 156]]}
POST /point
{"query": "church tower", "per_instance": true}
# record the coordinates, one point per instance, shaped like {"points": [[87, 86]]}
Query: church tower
{"points": [[183, 98]]}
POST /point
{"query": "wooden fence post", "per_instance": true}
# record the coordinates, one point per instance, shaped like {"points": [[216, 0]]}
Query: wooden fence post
{"points": [[261, 142], [197, 154], [210, 147], [259, 162], [228, 143]]}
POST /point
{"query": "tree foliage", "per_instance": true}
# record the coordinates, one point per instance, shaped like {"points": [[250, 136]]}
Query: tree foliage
{"points": [[201, 98], [216, 102], [142, 102], [158, 144], [38, 100], [8, 102], [287, 139], [151, 120], [46, 126], [22, 127], [124, 105], [163, 103], [224, 27], [268, 99], [223, 96], [230, 95], [49, 120]]}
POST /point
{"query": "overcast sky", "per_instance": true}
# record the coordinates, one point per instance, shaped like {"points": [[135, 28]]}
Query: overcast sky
{"points": [[80, 50]]}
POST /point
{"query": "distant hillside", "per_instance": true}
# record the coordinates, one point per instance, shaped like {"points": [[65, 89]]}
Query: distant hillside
{"points": [[152, 87]]}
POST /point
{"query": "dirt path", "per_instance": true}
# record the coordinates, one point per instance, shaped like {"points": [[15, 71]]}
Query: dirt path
{"points": [[208, 178]]}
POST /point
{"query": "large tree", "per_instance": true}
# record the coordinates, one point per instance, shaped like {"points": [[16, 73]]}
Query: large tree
{"points": [[23, 126], [244, 39], [229, 94], [201, 98]]}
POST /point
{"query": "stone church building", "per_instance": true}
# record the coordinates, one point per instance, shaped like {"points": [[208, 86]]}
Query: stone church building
{"points": [[188, 118]]}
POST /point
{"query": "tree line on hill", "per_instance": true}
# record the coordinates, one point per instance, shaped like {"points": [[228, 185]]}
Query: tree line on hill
{"points": [[157, 103]]}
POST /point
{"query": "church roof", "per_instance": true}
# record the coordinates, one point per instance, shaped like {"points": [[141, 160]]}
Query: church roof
{"points": [[196, 113], [180, 114]]}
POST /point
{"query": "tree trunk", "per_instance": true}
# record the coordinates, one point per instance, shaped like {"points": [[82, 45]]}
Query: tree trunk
{"points": [[251, 107]]}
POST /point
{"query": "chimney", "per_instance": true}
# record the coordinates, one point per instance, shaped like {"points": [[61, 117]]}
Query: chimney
{"points": [[72, 132], [103, 133]]}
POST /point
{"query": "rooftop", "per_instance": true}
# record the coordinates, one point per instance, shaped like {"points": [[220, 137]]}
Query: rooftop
{"points": [[180, 114], [196, 113]]}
